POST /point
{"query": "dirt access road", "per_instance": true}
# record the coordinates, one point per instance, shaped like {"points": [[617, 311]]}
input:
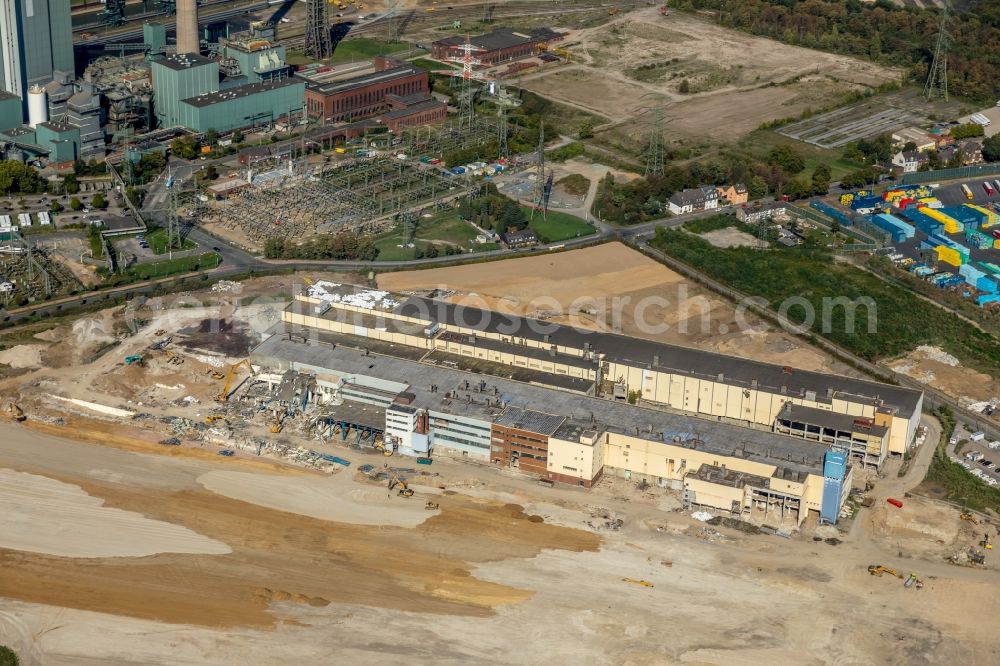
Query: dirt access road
{"points": [[454, 589]]}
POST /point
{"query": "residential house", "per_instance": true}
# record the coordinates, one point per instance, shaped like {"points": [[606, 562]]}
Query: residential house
{"points": [[760, 211], [736, 194], [690, 200], [909, 160], [972, 152], [522, 238]]}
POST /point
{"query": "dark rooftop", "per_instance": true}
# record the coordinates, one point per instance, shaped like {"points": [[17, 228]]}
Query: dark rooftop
{"points": [[344, 85], [825, 419], [529, 421], [239, 93], [668, 358], [185, 61], [57, 127]]}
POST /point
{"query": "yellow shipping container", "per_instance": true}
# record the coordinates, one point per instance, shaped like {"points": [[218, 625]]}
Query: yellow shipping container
{"points": [[951, 225], [991, 217], [846, 199], [947, 255], [996, 244]]}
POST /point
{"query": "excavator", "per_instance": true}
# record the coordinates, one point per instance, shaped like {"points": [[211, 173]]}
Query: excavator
{"points": [[986, 542], [637, 581], [967, 515], [386, 450], [878, 570], [222, 397], [211, 419], [432, 506], [404, 490], [13, 412], [215, 374], [279, 420]]}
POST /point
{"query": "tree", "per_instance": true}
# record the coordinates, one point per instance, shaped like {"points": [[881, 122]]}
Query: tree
{"points": [[875, 47], [55, 207], [910, 147], [70, 184], [587, 129], [99, 201], [8, 657], [211, 173], [212, 136], [184, 147], [967, 131], [431, 251], [75, 204], [787, 158], [991, 149], [238, 136], [685, 87]]}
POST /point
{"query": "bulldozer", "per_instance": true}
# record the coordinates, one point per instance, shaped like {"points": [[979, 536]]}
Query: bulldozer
{"points": [[878, 570], [212, 419], [215, 374], [404, 490], [967, 515], [13, 412], [222, 397], [432, 506]]}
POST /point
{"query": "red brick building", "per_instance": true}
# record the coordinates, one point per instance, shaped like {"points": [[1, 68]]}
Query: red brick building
{"points": [[349, 93], [499, 46], [520, 438], [413, 111]]}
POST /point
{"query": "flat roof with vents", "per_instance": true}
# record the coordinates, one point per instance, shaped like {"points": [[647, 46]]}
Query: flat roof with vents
{"points": [[209, 99]]}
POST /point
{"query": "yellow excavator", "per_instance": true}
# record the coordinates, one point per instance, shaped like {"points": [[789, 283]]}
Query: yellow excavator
{"points": [[404, 490], [212, 419], [13, 412], [967, 515], [216, 374], [279, 420], [878, 570], [386, 450], [222, 397]]}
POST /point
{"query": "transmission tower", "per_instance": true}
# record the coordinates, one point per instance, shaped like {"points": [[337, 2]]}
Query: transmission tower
{"points": [[467, 93], [540, 200], [937, 77], [504, 101], [319, 43], [654, 153]]}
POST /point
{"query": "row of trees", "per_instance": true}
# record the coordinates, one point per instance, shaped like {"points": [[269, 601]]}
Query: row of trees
{"points": [[878, 31], [16, 177], [341, 246]]}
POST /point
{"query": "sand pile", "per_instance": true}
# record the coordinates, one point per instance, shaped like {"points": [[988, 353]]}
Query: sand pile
{"points": [[23, 356]]}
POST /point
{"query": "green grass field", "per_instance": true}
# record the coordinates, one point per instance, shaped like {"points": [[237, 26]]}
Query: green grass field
{"points": [[441, 230], [432, 65], [558, 226], [157, 239], [350, 50], [760, 142], [173, 266]]}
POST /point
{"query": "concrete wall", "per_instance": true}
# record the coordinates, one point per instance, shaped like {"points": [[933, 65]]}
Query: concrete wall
{"points": [[576, 461]]}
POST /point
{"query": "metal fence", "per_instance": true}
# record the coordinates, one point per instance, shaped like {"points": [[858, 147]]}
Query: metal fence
{"points": [[951, 174]]}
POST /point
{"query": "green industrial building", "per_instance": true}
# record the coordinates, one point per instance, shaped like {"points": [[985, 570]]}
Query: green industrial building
{"points": [[181, 77], [10, 111], [254, 105], [259, 60], [61, 140]]}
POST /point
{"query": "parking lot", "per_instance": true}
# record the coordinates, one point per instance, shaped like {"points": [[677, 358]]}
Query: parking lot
{"points": [[952, 195], [986, 467]]}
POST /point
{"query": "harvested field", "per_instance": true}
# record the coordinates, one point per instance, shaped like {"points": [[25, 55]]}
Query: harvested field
{"points": [[633, 295], [736, 81]]}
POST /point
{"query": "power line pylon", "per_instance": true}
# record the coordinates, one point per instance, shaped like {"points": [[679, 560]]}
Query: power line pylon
{"points": [[654, 153], [937, 77], [540, 198], [319, 43], [504, 101], [467, 95]]}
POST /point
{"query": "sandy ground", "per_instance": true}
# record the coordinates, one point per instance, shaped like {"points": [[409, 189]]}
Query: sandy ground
{"points": [[966, 384], [612, 287], [454, 589], [41, 515], [737, 81], [334, 498], [729, 237]]}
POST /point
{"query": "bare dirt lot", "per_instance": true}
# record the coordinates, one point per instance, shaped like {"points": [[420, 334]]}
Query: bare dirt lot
{"points": [[735, 80], [612, 287], [936, 368], [455, 587]]}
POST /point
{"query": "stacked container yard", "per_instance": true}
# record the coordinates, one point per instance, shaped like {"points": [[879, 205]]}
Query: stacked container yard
{"points": [[971, 274], [947, 255], [978, 239], [951, 225], [922, 221], [930, 202], [965, 214], [848, 197], [897, 228], [828, 210], [989, 217], [868, 205]]}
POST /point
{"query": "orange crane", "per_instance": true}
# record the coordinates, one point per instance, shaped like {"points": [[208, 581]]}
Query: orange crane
{"points": [[222, 397]]}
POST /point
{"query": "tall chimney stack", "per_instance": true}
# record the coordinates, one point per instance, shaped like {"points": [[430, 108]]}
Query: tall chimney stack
{"points": [[187, 27]]}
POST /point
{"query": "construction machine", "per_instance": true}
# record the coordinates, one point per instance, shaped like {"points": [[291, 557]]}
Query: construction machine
{"points": [[386, 450], [986, 542], [404, 490], [432, 506], [279, 420], [134, 359], [215, 374], [878, 570], [637, 581], [13, 412], [222, 397], [212, 419], [967, 515]]}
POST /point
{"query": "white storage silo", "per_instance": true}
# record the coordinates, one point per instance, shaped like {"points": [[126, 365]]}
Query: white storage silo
{"points": [[38, 106]]}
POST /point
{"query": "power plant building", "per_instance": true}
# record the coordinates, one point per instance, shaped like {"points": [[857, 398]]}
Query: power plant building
{"points": [[251, 105], [347, 93], [36, 39], [181, 77], [497, 47]]}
